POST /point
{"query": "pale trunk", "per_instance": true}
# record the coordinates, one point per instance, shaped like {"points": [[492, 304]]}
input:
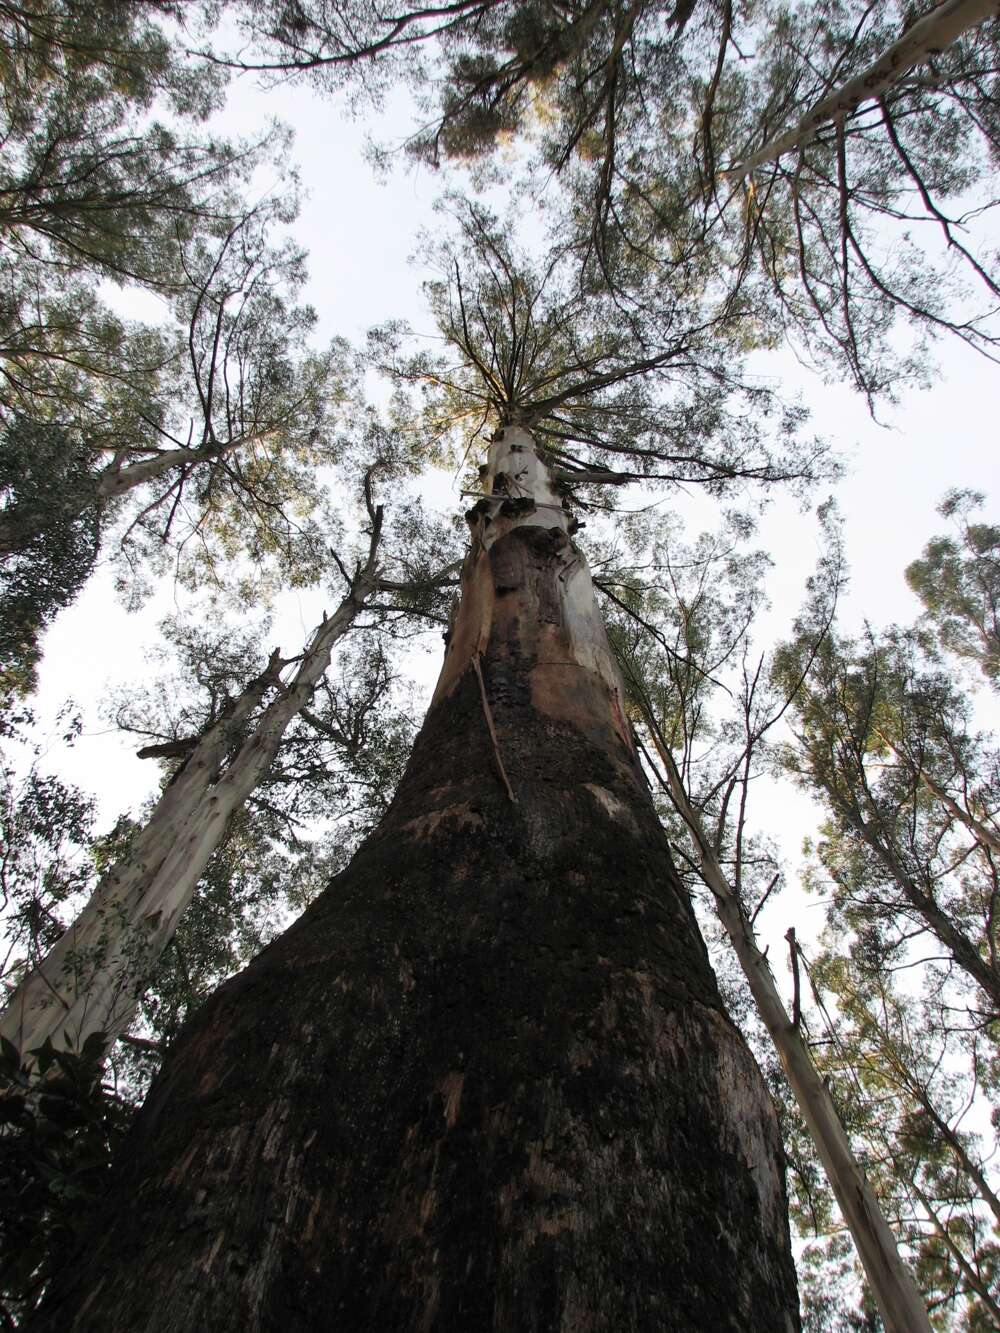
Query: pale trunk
{"points": [[934, 32], [972, 1278], [19, 525], [485, 1082], [962, 949], [92, 978], [983, 835], [899, 1301]]}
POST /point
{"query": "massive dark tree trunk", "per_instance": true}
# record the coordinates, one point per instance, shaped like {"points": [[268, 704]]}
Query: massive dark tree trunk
{"points": [[486, 1081]]}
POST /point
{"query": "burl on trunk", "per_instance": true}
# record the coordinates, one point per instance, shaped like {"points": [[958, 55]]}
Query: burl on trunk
{"points": [[486, 1081]]}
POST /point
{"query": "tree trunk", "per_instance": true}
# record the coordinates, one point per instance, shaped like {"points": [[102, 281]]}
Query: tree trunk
{"points": [[896, 1294], [92, 978], [934, 32], [21, 524], [486, 1081]]}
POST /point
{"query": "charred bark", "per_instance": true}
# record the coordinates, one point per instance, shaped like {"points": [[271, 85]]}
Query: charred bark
{"points": [[486, 1081]]}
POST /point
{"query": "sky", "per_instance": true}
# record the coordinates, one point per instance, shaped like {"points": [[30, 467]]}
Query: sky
{"points": [[360, 232]]}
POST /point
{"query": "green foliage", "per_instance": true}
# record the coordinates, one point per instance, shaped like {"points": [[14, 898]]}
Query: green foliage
{"points": [[612, 399], [958, 581], [875, 220], [905, 979], [59, 1128], [46, 829], [40, 469], [884, 740], [219, 415]]}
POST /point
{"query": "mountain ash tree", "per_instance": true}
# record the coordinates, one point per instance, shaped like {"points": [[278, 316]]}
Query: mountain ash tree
{"points": [[905, 976], [534, 1108]]}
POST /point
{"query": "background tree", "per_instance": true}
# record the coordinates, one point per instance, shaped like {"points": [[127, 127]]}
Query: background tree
{"points": [[197, 434], [958, 581], [92, 977], [905, 977], [682, 621], [886, 746]]}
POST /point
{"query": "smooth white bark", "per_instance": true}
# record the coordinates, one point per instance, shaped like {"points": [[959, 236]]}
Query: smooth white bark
{"points": [[92, 978], [18, 527], [983, 835], [521, 490], [115, 481], [930, 34], [892, 1285]]}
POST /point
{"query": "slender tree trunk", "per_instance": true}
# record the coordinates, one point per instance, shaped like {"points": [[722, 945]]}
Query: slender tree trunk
{"points": [[21, 524], [973, 1281], [486, 1081], [982, 834], [92, 978], [899, 1301], [962, 949], [935, 31]]}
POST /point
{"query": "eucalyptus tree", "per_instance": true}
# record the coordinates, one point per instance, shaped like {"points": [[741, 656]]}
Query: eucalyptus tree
{"points": [[240, 742], [885, 740], [336, 768], [957, 578], [94, 188], [214, 416], [217, 455], [877, 217], [912, 1095], [535, 1108], [90, 980], [875, 204], [890, 1079], [682, 627], [215, 461], [910, 791], [329, 783]]}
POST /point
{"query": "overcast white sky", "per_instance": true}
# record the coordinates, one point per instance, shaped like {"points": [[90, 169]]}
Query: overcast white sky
{"points": [[359, 233]]}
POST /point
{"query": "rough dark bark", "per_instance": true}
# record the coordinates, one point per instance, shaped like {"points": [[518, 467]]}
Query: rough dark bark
{"points": [[486, 1081]]}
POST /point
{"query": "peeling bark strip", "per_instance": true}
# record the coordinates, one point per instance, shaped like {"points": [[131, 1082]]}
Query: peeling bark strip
{"points": [[486, 1082], [91, 979], [936, 31], [487, 713]]}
